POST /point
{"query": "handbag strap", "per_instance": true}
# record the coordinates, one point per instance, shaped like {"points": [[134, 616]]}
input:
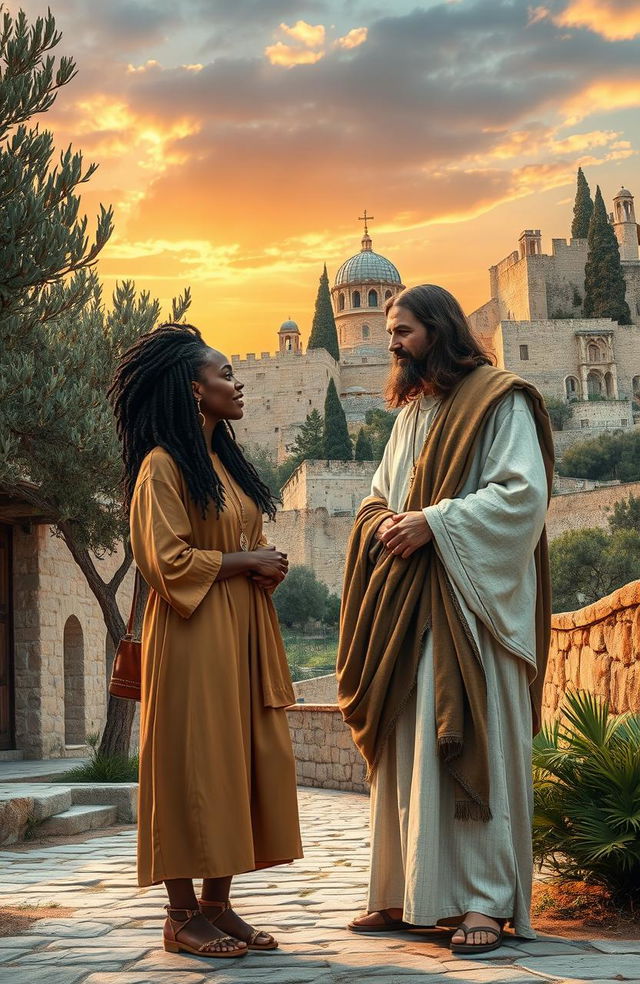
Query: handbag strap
{"points": [[134, 603]]}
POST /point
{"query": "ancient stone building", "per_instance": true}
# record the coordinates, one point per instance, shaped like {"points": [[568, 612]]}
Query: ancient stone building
{"points": [[282, 389], [55, 656], [533, 322]]}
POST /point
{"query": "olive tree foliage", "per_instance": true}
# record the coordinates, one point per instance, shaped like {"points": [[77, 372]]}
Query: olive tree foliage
{"points": [[59, 343]]}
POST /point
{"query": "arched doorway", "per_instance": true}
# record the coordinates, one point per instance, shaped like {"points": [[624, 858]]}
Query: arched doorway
{"points": [[594, 384], [73, 645]]}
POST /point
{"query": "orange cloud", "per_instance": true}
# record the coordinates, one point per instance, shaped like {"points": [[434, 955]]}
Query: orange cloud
{"points": [[615, 20], [355, 37], [310, 35], [286, 56], [606, 95]]}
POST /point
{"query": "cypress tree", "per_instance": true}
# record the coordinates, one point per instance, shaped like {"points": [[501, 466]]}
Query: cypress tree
{"points": [[582, 209], [323, 330], [310, 438], [604, 283], [364, 448], [337, 443]]}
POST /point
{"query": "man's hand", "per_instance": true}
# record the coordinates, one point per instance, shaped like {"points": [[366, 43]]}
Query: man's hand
{"points": [[406, 533], [385, 525]]}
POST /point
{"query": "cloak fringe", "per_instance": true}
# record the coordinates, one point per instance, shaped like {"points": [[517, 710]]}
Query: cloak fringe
{"points": [[449, 747], [469, 810]]}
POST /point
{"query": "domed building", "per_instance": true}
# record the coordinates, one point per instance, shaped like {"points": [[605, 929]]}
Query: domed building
{"points": [[289, 337], [362, 286]]}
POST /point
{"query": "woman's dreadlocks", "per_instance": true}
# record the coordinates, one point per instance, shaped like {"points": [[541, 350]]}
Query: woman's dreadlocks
{"points": [[153, 403]]}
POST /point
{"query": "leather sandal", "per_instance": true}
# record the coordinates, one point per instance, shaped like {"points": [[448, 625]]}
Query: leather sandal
{"points": [[173, 945], [251, 939], [478, 947]]}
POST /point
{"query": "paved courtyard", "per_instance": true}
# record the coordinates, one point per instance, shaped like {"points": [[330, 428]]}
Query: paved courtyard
{"points": [[114, 935]]}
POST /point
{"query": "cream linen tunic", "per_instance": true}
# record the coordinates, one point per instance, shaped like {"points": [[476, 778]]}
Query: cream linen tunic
{"points": [[422, 860]]}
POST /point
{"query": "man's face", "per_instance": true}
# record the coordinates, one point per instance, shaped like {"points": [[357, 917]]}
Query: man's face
{"points": [[408, 337]]}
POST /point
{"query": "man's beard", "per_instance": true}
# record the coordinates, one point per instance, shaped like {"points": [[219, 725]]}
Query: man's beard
{"points": [[408, 378]]}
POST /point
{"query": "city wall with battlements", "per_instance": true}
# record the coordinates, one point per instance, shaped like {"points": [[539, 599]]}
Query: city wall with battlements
{"points": [[280, 391]]}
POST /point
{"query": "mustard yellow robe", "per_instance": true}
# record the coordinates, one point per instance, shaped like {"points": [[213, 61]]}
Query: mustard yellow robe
{"points": [[217, 773]]}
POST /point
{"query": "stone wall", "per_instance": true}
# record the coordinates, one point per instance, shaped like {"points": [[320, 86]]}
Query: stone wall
{"points": [[597, 649], [317, 690], [337, 486], [313, 538], [324, 750], [280, 391], [577, 510], [59, 644]]}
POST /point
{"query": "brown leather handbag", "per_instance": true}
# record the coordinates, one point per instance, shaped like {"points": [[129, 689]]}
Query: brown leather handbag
{"points": [[126, 672]]}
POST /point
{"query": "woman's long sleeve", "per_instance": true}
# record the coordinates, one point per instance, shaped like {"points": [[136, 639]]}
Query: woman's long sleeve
{"points": [[161, 541]]}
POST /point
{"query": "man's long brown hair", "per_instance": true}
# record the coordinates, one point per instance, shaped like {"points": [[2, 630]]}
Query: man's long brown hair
{"points": [[453, 352]]}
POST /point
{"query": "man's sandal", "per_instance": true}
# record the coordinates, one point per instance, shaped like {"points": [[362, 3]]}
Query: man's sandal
{"points": [[388, 925], [209, 949], [252, 937], [477, 947]]}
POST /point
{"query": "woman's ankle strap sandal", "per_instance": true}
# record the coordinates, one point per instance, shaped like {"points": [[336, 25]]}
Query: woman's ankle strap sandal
{"points": [[251, 938], [178, 919]]}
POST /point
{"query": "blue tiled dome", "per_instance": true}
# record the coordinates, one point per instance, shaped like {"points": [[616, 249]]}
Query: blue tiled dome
{"points": [[367, 266], [288, 326]]}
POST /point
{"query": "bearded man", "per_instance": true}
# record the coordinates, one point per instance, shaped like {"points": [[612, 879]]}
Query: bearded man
{"points": [[445, 630]]}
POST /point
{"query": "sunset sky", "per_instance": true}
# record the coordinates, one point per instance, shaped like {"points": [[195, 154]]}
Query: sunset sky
{"points": [[239, 140]]}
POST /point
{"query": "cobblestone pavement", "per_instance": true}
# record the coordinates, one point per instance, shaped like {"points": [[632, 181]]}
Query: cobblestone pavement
{"points": [[114, 936]]}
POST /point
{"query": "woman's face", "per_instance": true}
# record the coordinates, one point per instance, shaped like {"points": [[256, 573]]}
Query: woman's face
{"points": [[218, 388]]}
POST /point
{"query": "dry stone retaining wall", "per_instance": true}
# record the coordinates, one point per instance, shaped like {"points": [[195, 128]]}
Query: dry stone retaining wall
{"points": [[597, 649], [324, 750]]}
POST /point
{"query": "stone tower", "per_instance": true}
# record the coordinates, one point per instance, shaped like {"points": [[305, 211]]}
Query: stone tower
{"points": [[530, 243], [289, 338], [362, 286], [625, 225]]}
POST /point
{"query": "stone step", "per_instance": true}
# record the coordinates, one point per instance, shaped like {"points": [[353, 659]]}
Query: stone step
{"points": [[77, 819], [48, 801], [11, 755]]}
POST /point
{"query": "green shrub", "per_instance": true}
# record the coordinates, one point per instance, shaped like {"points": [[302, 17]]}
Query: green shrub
{"points": [[587, 797], [102, 768]]}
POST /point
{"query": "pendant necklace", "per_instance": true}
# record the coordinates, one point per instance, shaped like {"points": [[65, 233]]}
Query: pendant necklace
{"points": [[239, 508]]}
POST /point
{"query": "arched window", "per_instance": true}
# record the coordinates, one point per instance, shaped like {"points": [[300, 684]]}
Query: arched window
{"points": [[373, 298], [387, 295], [594, 384], [73, 648], [355, 299], [340, 302], [287, 343], [571, 387], [365, 331], [593, 352]]}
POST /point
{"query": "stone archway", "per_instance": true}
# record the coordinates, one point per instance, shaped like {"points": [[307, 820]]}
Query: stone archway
{"points": [[608, 383], [594, 384], [74, 695], [572, 388]]}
